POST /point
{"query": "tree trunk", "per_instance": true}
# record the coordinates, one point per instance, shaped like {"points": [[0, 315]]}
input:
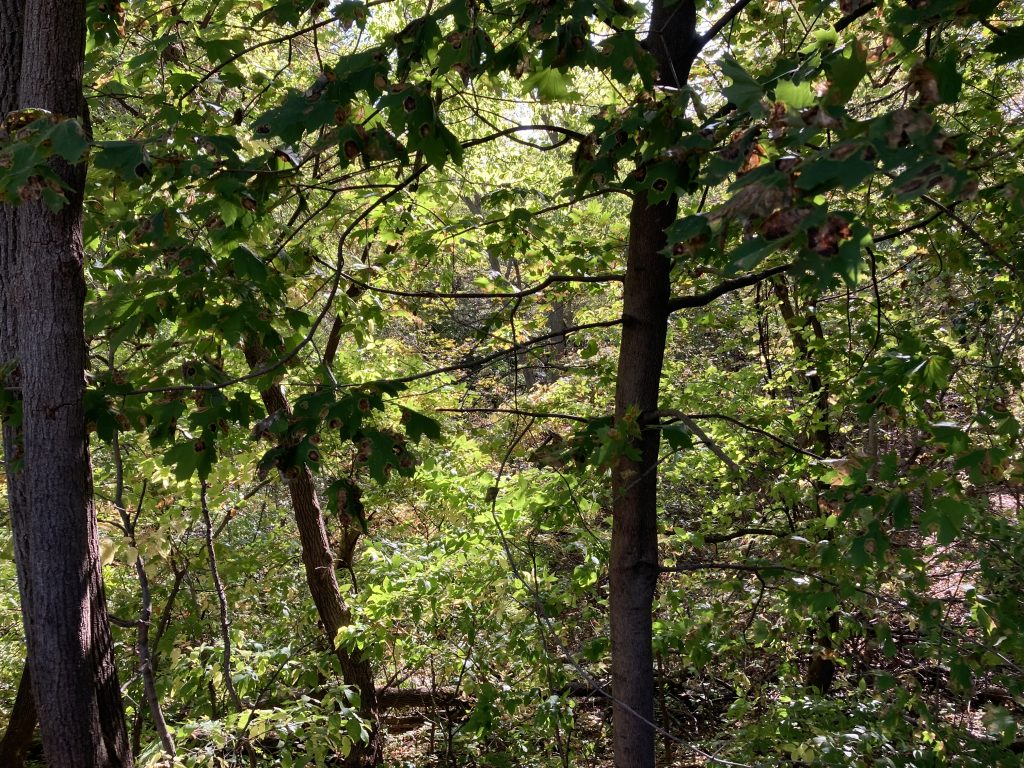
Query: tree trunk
{"points": [[634, 555], [21, 727], [821, 670], [11, 14], [22, 723], [318, 560], [817, 386], [74, 680], [633, 570]]}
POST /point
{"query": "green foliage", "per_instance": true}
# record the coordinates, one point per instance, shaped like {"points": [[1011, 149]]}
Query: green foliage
{"points": [[351, 204]]}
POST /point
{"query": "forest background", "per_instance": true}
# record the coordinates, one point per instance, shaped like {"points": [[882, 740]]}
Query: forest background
{"points": [[511, 383]]}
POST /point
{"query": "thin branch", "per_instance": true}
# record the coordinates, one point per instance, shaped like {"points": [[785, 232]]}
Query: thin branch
{"points": [[256, 46], [722, 23], [749, 428], [142, 625], [477, 362], [222, 600], [607, 278], [518, 412], [908, 228], [726, 286], [849, 18], [712, 446], [739, 533], [568, 133]]}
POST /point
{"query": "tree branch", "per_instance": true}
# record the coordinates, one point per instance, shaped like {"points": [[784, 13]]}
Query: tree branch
{"points": [[510, 350], [712, 446], [726, 286], [519, 412], [608, 278], [849, 18], [749, 428], [722, 23]]}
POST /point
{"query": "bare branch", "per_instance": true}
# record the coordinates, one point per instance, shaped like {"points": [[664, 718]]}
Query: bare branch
{"points": [[726, 286], [553, 279]]}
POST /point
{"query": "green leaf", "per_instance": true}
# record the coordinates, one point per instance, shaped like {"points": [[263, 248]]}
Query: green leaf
{"points": [[417, 425], [678, 436], [824, 173], [796, 95], [128, 159], [1008, 46], [68, 140], [946, 514], [345, 498], [750, 254], [744, 92], [248, 265], [184, 457], [549, 83], [947, 76], [846, 69]]}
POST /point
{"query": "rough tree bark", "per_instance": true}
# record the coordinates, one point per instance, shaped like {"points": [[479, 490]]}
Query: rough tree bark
{"points": [[70, 652], [633, 571]]}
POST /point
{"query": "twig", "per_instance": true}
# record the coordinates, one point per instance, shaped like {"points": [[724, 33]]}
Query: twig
{"points": [[225, 618]]}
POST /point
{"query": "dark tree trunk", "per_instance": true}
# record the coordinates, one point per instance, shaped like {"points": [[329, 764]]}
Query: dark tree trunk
{"points": [[22, 723], [74, 680], [633, 571], [11, 13], [319, 561], [21, 726], [634, 556]]}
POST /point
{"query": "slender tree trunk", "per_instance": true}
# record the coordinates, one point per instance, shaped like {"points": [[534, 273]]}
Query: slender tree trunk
{"points": [[22, 723], [816, 384], [11, 14], [319, 562], [74, 680], [821, 669], [634, 555], [633, 571], [21, 726]]}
